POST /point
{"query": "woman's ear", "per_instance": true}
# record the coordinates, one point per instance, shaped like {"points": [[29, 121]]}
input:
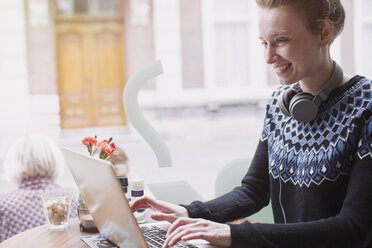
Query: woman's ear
{"points": [[326, 34]]}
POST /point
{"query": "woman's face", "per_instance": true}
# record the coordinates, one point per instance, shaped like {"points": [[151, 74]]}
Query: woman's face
{"points": [[294, 52]]}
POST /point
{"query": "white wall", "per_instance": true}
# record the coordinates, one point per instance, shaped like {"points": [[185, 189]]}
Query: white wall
{"points": [[13, 71]]}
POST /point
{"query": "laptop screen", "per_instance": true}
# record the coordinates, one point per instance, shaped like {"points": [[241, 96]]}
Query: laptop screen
{"points": [[105, 199]]}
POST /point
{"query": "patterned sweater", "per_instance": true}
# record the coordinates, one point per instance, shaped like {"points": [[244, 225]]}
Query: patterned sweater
{"points": [[318, 176], [22, 208]]}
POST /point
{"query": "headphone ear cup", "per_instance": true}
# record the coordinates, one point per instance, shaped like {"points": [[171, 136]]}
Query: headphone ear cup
{"points": [[285, 99], [302, 107]]}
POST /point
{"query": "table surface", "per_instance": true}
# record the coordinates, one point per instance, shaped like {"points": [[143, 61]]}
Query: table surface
{"points": [[41, 237]]}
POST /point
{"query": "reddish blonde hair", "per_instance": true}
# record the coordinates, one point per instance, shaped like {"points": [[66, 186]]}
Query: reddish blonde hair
{"points": [[315, 12]]}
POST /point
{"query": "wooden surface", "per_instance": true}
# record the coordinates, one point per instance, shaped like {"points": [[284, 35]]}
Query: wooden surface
{"points": [[41, 237]]}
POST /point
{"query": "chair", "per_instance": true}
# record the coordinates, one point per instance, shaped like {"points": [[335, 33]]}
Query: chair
{"points": [[230, 176], [177, 192]]}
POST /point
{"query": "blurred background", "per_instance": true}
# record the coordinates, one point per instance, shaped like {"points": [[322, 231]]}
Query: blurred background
{"points": [[64, 64]]}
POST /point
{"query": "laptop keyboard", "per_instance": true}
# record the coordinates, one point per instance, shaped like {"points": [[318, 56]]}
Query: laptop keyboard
{"points": [[155, 238]]}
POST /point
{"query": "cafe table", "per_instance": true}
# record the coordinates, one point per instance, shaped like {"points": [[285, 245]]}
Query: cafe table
{"points": [[41, 237]]}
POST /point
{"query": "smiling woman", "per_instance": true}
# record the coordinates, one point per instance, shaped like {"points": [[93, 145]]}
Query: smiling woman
{"points": [[297, 53], [316, 172]]}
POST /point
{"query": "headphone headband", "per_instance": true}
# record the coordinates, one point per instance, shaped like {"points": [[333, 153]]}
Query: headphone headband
{"points": [[303, 106]]}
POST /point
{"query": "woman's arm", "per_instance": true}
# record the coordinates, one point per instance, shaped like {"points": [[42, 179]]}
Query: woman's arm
{"points": [[352, 227], [243, 201]]}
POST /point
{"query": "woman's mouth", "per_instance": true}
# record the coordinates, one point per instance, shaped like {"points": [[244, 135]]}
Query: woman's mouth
{"points": [[282, 69]]}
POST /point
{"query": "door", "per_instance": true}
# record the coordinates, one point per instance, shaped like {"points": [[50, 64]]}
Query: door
{"points": [[90, 69]]}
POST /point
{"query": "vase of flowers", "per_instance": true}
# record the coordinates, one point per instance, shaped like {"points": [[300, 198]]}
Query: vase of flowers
{"points": [[105, 150]]}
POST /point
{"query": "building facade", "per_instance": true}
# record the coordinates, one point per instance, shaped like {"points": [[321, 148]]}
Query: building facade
{"points": [[64, 63]]}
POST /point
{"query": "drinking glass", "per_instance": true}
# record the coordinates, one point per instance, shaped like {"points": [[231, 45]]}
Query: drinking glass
{"points": [[57, 209]]}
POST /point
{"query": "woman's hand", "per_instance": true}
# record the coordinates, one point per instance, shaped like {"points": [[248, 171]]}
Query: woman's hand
{"points": [[168, 211], [186, 229]]}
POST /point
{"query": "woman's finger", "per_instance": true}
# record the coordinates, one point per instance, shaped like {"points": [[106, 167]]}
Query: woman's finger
{"points": [[139, 203], [162, 216], [180, 222], [186, 229], [178, 235]]}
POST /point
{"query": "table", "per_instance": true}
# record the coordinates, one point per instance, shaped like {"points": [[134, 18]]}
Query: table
{"points": [[41, 237]]}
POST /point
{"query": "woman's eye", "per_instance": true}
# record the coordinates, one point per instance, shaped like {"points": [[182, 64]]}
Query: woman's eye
{"points": [[281, 40]]}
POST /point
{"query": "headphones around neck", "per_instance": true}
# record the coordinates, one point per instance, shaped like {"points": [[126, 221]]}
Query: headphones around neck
{"points": [[303, 106]]}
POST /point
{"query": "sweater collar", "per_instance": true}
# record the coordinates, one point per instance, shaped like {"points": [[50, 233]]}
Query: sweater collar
{"points": [[36, 183]]}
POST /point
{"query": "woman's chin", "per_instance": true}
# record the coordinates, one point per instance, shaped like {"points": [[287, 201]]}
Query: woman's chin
{"points": [[283, 81]]}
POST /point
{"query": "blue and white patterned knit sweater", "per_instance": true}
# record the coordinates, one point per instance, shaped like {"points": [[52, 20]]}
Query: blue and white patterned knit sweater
{"points": [[322, 149], [318, 176]]}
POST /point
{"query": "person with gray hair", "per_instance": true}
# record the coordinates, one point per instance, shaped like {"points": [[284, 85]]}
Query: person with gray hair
{"points": [[34, 163]]}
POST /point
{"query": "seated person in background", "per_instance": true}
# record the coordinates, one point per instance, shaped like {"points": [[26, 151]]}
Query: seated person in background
{"points": [[34, 163], [120, 163]]}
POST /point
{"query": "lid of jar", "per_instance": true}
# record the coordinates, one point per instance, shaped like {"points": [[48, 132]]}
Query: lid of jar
{"points": [[137, 184]]}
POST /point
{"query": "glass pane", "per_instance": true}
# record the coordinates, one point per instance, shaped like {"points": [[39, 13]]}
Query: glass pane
{"points": [[231, 7], [367, 52], [367, 7], [81, 6], [65, 7], [90, 7], [109, 6], [232, 54]]}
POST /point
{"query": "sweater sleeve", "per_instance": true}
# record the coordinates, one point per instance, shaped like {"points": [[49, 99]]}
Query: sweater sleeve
{"points": [[243, 201], [352, 227]]}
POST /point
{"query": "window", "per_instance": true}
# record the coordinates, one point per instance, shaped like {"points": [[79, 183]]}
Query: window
{"points": [[234, 61], [231, 36], [87, 7], [363, 36]]}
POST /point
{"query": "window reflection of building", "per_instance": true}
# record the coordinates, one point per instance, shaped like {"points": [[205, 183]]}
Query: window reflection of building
{"points": [[209, 49], [363, 35]]}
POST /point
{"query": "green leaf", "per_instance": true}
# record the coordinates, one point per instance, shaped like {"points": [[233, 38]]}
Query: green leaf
{"points": [[81, 201]]}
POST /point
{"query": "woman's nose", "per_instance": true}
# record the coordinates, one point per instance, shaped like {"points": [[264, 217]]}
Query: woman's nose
{"points": [[270, 54]]}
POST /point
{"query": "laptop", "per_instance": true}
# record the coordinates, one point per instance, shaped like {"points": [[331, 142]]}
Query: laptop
{"points": [[109, 207]]}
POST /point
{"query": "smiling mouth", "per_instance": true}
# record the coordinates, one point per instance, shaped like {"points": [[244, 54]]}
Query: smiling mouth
{"points": [[283, 68]]}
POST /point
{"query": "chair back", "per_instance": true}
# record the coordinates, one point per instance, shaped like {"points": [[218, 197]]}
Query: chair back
{"points": [[230, 176]]}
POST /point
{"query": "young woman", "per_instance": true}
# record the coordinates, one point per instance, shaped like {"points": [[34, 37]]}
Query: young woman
{"points": [[314, 159]]}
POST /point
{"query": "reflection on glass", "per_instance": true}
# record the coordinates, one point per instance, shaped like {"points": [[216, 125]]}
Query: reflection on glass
{"points": [[87, 7], [232, 55], [367, 53], [366, 7], [65, 7], [231, 7]]}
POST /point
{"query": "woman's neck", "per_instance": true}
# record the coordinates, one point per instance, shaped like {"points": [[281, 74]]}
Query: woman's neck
{"points": [[319, 77]]}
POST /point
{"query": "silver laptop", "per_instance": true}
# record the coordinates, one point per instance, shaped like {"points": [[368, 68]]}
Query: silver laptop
{"points": [[109, 207]]}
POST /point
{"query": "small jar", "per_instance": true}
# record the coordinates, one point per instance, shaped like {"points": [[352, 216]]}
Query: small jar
{"points": [[138, 190], [125, 185], [86, 222]]}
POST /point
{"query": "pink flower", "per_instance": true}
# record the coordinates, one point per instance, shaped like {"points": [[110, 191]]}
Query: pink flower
{"points": [[91, 140], [103, 146]]}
